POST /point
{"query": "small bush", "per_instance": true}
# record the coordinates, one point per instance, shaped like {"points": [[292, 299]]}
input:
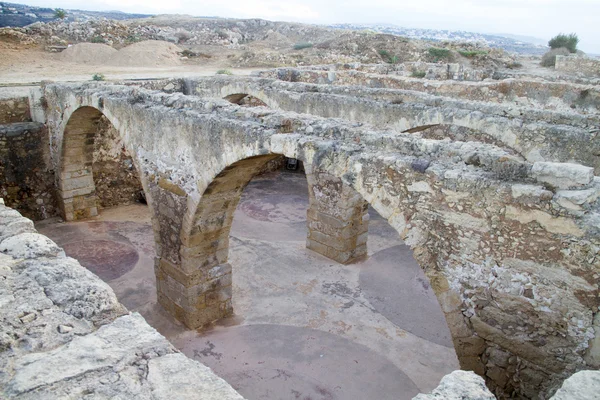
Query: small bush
{"points": [[98, 39], [388, 57], [98, 77], [183, 36], [561, 40], [472, 53], [59, 13], [514, 65], [301, 46], [549, 59], [438, 53], [133, 39], [224, 72], [418, 74]]}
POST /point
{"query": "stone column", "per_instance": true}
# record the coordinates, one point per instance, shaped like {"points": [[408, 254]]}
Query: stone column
{"points": [[76, 190], [337, 218], [195, 284]]}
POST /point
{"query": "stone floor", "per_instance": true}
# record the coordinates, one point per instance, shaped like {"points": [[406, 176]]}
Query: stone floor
{"points": [[305, 327]]}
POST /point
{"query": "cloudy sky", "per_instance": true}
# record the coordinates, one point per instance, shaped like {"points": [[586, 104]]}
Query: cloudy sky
{"points": [[539, 18]]}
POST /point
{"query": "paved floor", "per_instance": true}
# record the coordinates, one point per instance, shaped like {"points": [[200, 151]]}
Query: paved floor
{"points": [[305, 327]]}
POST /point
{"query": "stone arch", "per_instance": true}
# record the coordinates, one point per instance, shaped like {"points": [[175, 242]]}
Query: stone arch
{"points": [[245, 99], [76, 187], [199, 291], [237, 92]]}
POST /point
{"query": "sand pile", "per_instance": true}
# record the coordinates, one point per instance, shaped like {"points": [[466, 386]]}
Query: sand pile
{"points": [[87, 53], [149, 53]]}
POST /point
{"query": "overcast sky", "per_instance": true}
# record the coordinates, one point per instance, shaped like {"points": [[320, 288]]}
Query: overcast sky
{"points": [[539, 18]]}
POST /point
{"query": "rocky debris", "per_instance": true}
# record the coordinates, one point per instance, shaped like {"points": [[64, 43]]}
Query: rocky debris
{"points": [[64, 334], [466, 385], [254, 42], [583, 385], [459, 385]]}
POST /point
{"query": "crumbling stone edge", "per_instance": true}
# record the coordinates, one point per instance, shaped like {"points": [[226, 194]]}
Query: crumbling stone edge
{"points": [[63, 333]]}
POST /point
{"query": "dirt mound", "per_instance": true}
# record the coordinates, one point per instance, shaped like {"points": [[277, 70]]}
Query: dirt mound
{"points": [[87, 53], [149, 53]]}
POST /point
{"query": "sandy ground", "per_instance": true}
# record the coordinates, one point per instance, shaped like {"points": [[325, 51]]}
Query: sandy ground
{"points": [[304, 326], [31, 66]]}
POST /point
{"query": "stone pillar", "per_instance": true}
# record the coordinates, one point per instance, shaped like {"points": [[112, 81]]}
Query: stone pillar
{"points": [[76, 191], [195, 285], [337, 218]]}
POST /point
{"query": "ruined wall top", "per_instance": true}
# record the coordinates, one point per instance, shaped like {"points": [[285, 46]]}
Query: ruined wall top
{"points": [[64, 333]]}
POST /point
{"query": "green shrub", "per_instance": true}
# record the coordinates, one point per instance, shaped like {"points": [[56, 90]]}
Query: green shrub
{"points": [[59, 13], [301, 46], [438, 53], [472, 53], [224, 72], [549, 59], [561, 40], [98, 39], [418, 74], [388, 57], [98, 77], [514, 65], [133, 39]]}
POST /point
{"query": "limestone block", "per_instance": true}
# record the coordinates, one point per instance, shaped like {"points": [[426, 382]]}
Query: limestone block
{"points": [[169, 378], [459, 385], [563, 175], [109, 345], [30, 245], [583, 385]]}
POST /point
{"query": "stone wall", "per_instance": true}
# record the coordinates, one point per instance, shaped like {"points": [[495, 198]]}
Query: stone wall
{"points": [[26, 176], [115, 175], [561, 96], [578, 65], [64, 334], [567, 137], [14, 110]]}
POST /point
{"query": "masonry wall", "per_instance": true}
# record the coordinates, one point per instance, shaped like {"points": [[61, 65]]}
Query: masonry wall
{"points": [[14, 110], [115, 176], [578, 65], [548, 95], [26, 177]]}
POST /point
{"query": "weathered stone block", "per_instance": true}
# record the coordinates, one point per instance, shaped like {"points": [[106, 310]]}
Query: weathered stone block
{"points": [[563, 175]]}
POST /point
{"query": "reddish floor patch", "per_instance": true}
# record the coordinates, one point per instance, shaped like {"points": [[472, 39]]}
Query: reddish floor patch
{"points": [[106, 258]]}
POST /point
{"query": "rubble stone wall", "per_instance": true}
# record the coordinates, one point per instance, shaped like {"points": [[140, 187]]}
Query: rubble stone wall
{"points": [[561, 96], [64, 334], [26, 174], [510, 247], [14, 109], [515, 130], [115, 177], [578, 65]]}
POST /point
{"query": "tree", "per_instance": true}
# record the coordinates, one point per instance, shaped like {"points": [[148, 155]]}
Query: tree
{"points": [[569, 42], [60, 13]]}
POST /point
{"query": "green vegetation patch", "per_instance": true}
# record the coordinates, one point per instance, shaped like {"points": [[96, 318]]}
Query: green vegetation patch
{"points": [[302, 46]]}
